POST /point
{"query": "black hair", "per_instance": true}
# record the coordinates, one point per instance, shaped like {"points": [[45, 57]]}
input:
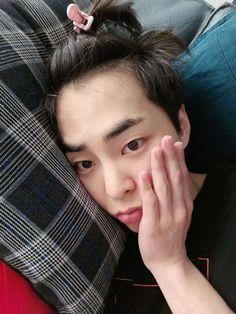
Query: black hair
{"points": [[116, 37]]}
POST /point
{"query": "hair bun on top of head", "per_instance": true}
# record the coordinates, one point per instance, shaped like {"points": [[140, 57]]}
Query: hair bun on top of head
{"points": [[106, 16]]}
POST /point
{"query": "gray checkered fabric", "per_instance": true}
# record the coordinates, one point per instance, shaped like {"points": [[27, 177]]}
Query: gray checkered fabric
{"points": [[50, 230]]}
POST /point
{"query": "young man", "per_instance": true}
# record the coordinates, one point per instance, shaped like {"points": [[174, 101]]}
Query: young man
{"points": [[122, 125]]}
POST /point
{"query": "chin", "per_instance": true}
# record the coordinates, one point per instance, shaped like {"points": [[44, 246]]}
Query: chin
{"points": [[133, 227]]}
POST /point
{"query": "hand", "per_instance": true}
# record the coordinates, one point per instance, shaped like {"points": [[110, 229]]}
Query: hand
{"points": [[167, 207]]}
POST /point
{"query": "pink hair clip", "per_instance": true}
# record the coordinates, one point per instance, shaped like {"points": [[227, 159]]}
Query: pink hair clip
{"points": [[79, 17]]}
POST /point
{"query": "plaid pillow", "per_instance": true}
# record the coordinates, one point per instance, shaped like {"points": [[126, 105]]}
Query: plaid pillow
{"points": [[50, 231]]}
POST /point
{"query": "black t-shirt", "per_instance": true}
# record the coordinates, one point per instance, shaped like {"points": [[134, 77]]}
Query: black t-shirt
{"points": [[211, 245]]}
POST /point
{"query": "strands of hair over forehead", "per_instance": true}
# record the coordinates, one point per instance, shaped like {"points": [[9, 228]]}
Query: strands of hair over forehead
{"points": [[116, 39]]}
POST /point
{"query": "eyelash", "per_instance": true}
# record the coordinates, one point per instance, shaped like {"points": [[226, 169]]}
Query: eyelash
{"points": [[84, 170], [78, 164], [140, 144]]}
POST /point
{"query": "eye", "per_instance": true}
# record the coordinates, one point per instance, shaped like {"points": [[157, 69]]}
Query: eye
{"points": [[132, 146], [83, 166]]}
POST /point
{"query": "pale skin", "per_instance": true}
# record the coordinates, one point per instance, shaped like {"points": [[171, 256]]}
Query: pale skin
{"points": [[130, 159]]}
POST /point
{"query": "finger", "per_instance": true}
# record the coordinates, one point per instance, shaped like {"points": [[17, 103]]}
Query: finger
{"points": [[150, 207], [186, 178], [161, 184], [174, 173]]}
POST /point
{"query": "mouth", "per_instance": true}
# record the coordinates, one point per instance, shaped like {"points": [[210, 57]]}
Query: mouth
{"points": [[130, 216]]}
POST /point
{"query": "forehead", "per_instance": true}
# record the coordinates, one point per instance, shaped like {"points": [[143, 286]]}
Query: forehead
{"points": [[99, 101], [110, 87]]}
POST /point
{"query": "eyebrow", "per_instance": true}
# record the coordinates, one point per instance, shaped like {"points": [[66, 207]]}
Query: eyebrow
{"points": [[121, 127], [67, 148], [116, 131]]}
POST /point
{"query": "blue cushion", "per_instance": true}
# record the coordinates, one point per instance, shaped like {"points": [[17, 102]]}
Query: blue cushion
{"points": [[209, 78]]}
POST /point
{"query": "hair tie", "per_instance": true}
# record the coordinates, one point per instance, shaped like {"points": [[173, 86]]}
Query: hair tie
{"points": [[79, 18]]}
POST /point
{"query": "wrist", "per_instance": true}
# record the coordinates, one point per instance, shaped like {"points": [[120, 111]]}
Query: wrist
{"points": [[171, 271]]}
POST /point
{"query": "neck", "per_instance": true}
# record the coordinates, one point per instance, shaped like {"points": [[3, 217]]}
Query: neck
{"points": [[197, 180]]}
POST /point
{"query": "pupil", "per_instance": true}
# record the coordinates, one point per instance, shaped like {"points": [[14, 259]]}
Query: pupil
{"points": [[133, 145], [86, 164]]}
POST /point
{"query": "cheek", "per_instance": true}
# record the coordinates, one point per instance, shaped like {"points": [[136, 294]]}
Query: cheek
{"points": [[144, 162], [138, 163]]}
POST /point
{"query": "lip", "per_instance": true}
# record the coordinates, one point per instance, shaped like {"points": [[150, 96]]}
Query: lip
{"points": [[130, 216]]}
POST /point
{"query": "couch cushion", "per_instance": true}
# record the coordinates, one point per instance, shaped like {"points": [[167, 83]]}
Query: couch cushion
{"points": [[17, 296], [209, 79], [184, 17]]}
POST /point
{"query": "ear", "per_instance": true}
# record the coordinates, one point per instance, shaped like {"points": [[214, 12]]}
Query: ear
{"points": [[184, 125]]}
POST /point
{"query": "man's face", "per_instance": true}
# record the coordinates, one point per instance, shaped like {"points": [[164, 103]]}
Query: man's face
{"points": [[109, 127]]}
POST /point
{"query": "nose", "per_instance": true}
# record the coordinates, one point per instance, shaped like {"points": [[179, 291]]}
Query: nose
{"points": [[118, 182]]}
